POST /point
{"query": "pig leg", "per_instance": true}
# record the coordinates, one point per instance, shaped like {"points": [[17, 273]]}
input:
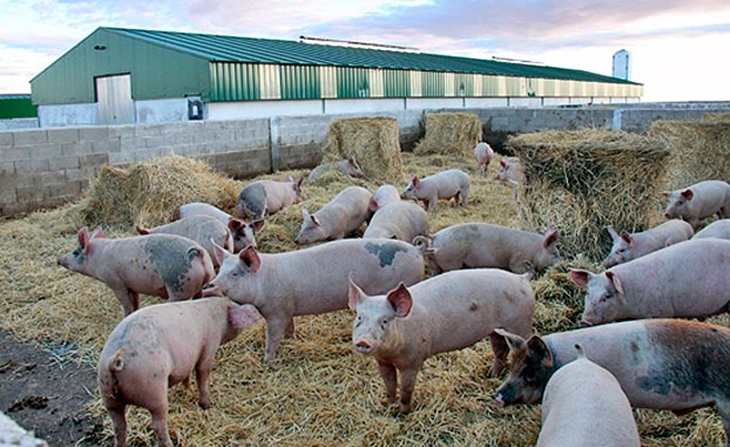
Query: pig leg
{"points": [[457, 199], [464, 197], [407, 383], [390, 377], [723, 407], [289, 332], [159, 424], [501, 351], [275, 329], [202, 373], [128, 299], [119, 422]]}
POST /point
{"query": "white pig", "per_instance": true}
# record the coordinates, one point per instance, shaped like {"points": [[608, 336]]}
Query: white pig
{"points": [[483, 152], [312, 280], [404, 327], [686, 280], [243, 233], [511, 172], [446, 185], [265, 197], [349, 166], [205, 230], [583, 404], [164, 265], [662, 364], [718, 229], [699, 201], [159, 346], [627, 246], [342, 215], [384, 195], [398, 220], [477, 244]]}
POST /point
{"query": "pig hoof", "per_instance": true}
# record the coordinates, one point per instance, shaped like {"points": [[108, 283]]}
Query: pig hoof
{"points": [[204, 404]]}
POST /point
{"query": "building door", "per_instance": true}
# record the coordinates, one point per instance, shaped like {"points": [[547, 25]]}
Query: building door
{"points": [[114, 99]]}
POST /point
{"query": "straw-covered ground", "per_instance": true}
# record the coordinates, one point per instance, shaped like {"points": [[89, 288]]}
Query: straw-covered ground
{"points": [[318, 391]]}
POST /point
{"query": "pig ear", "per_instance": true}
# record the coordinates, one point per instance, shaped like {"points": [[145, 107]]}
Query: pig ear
{"points": [[305, 213], [401, 300], [664, 193], [98, 233], [355, 295], [142, 231], [373, 204], [257, 225], [83, 236], [687, 194], [352, 160], [503, 163], [243, 316], [551, 236], [314, 219], [250, 258], [416, 181], [290, 179], [219, 253], [612, 232], [615, 282], [537, 346], [235, 224], [298, 184], [580, 277], [514, 341], [628, 238]]}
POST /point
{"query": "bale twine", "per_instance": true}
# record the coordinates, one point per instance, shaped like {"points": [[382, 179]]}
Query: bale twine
{"points": [[700, 149], [582, 181], [450, 134], [373, 142], [146, 194]]}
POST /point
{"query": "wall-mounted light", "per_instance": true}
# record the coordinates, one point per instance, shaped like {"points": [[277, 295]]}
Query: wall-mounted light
{"points": [[99, 47]]}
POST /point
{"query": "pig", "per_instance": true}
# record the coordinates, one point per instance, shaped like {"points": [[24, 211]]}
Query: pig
{"points": [[243, 233], [483, 153], [348, 166], [718, 229], [686, 280], [158, 347], [163, 265], [699, 201], [511, 172], [384, 195], [404, 327], [345, 213], [262, 197], [631, 246], [398, 220], [661, 364], [583, 404], [202, 229], [476, 244], [448, 184], [311, 280]]}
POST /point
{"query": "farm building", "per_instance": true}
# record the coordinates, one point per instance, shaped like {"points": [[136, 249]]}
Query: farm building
{"points": [[122, 76]]}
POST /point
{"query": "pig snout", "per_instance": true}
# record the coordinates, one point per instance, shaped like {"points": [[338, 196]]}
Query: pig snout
{"points": [[211, 289], [584, 323], [667, 216], [499, 399], [363, 346]]}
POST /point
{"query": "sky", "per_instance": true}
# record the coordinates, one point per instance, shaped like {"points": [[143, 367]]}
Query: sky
{"points": [[678, 48]]}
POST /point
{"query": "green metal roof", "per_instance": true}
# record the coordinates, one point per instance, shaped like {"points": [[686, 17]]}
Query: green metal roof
{"points": [[218, 48]]}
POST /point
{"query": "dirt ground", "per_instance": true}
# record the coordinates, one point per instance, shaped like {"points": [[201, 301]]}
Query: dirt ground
{"points": [[46, 394]]}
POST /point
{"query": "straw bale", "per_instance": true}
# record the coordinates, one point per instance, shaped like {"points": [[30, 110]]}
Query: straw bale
{"points": [[453, 134], [700, 149], [146, 194], [318, 391], [374, 143], [582, 181]]}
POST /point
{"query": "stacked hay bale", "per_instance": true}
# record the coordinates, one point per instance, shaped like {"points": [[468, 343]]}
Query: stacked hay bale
{"points": [[146, 194], [450, 134], [582, 181], [700, 149], [373, 142]]}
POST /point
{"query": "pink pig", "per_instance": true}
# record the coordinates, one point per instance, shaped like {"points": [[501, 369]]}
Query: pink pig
{"points": [[582, 403], [384, 195], [476, 244], [699, 201], [483, 153], [243, 233], [631, 246], [159, 346], [164, 265], [348, 166], [446, 185], [717, 229], [448, 312], [342, 215], [263, 197]]}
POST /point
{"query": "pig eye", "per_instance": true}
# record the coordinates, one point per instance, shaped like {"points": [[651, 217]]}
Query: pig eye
{"points": [[383, 323], [358, 321]]}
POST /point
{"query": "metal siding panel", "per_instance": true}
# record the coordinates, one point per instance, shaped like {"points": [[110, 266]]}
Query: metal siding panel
{"points": [[434, 84], [299, 82], [478, 82], [449, 84], [397, 83], [376, 83], [416, 84], [352, 83], [328, 82], [270, 81]]}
